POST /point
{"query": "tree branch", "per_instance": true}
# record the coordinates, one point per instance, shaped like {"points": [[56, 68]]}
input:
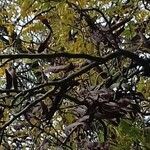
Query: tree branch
{"points": [[26, 109], [100, 60]]}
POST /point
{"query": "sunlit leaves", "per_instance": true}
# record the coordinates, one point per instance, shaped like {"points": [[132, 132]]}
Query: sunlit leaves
{"points": [[142, 15], [2, 71], [144, 87], [35, 27], [1, 46], [10, 28], [26, 7]]}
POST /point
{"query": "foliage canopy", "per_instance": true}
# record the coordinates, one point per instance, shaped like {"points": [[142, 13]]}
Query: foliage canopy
{"points": [[74, 74]]}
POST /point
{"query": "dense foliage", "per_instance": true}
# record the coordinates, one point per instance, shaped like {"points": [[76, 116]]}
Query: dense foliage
{"points": [[75, 74]]}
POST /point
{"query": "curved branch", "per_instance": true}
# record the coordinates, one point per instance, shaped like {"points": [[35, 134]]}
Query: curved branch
{"points": [[100, 60]]}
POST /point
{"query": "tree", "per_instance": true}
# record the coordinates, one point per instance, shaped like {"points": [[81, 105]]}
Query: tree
{"points": [[74, 74]]}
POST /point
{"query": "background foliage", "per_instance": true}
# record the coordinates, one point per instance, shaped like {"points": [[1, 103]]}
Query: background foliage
{"points": [[74, 74]]}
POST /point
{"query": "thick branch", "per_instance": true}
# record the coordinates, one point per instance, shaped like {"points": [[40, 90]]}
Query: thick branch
{"points": [[58, 82], [116, 54]]}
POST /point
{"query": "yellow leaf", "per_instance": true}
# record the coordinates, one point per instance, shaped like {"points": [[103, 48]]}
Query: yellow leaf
{"points": [[10, 28], [2, 72], [1, 46], [33, 121], [26, 5], [1, 21]]}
